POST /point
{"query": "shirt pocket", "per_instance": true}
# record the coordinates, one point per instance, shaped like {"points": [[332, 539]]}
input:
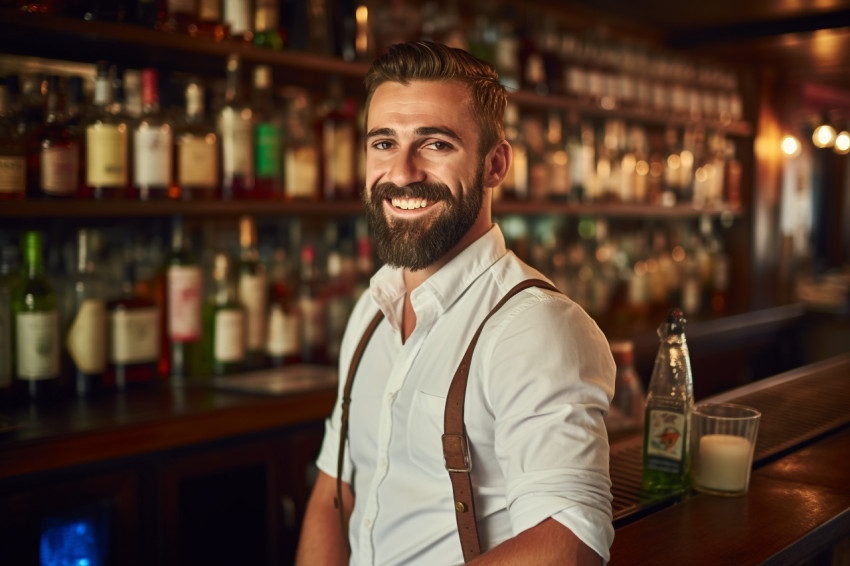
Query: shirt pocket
{"points": [[425, 432]]}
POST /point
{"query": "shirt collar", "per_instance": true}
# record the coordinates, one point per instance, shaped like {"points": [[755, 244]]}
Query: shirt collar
{"points": [[443, 288]]}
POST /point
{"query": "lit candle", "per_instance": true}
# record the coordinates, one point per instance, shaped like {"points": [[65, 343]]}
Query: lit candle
{"points": [[723, 462]]}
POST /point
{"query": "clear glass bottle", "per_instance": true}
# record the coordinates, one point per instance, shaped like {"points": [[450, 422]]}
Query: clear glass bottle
{"points": [[196, 150], [153, 142], [338, 131], [224, 322], [252, 291], [284, 320], [106, 143], [36, 327], [58, 165], [236, 131], [85, 335], [301, 153], [184, 296], [669, 399], [629, 402], [310, 306]]}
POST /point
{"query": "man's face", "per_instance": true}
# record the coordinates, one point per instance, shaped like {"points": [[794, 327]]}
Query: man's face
{"points": [[423, 172]]}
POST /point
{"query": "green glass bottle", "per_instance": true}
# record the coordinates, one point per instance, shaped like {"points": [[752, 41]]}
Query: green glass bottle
{"points": [[184, 295], [224, 322], [669, 399], [36, 327]]}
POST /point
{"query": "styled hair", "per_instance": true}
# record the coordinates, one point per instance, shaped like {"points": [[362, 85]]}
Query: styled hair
{"points": [[428, 61]]}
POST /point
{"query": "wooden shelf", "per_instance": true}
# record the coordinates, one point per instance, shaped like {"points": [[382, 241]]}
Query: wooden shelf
{"points": [[129, 209]]}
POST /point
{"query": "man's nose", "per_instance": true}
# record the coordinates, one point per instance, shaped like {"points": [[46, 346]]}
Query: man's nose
{"points": [[406, 168]]}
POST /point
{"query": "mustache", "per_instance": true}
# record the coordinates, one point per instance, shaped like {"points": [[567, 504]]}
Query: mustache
{"points": [[427, 191]]}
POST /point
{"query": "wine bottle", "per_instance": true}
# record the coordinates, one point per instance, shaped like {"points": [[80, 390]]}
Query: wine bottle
{"points": [[85, 336], [252, 291], [183, 305], [8, 274], [106, 143], [13, 151], [669, 399], [284, 321], [36, 327], [301, 153], [312, 340], [224, 322], [236, 130], [268, 138], [197, 150]]}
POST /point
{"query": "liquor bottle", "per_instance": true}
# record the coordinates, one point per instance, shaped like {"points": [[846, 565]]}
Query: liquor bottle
{"points": [[209, 23], [515, 185], [36, 327], [669, 399], [556, 160], [196, 150], [8, 275], [237, 18], [133, 332], [338, 132], [268, 138], [85, 343], [181, 15], [628, 404], [57, 166], [300, 150], [266, 24], [13, 151], [183, 295], [106, 143], [336, 297], [236, 131], [252, 292], [153, 145], [224, 322], [284, 321], [312, 338]]}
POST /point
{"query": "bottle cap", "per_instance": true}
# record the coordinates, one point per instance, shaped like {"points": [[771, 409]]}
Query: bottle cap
{"points": [[675, 323]]}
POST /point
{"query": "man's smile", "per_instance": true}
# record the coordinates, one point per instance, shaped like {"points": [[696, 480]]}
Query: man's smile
{"points": [[398, 204]]}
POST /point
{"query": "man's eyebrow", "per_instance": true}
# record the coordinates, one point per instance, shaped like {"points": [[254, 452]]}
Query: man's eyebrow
{"points": [[424, 131], [381, 132]]}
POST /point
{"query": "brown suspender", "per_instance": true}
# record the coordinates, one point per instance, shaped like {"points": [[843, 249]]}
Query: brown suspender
{"points": [[455, 443]]}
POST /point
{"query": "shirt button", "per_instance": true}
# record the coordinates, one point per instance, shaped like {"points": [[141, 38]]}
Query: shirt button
{"points": [[367, 523], [383, 462]]}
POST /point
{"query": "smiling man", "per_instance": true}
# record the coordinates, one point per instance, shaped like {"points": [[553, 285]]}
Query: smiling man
{"points": [[540, 380]]}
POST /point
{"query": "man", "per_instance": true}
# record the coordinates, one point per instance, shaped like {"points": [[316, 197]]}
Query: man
{"points": [[541, 378]]}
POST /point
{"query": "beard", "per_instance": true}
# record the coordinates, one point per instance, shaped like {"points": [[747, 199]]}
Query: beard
{"points": [[417, 243]]}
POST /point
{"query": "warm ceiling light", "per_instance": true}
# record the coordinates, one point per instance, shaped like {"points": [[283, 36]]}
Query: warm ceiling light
{"points": [[790, 146], [842, 142], [824, 136]]}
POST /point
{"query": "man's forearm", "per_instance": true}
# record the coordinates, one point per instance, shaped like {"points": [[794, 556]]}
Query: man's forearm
{"points": [[549, 543], [321, 539]]}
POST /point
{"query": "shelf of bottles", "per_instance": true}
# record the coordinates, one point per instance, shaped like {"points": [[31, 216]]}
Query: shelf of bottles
{"points": [[211, 168]]}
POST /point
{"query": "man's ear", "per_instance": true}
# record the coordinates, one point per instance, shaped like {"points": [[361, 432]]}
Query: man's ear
{"points": [[497, 163]]}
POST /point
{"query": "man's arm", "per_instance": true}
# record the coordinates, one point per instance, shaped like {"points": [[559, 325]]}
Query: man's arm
{"points": [[548, 543], [321, 533]]}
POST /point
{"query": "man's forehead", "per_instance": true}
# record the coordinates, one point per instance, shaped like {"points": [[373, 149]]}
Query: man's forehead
{"points": [[444, 101]]}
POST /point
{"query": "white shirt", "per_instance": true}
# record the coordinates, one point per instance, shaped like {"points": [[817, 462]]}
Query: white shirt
{"points": [[541, 380]]}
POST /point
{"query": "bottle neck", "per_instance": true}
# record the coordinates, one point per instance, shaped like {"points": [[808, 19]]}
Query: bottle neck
{"points": [[33, 256]]}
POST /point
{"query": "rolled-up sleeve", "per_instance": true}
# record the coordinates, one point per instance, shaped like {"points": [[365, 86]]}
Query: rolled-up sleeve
{"points": [[551, 378]]}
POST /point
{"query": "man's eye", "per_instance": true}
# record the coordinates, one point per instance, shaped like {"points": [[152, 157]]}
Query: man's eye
{"points": [[439, 145], [381, 145]]}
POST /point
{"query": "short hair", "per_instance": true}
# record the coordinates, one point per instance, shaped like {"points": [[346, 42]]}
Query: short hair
{"points": [[428, 61]]}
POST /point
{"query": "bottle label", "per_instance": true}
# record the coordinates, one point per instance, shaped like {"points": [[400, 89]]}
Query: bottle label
{"points": [[38, 345], [181, 6], [665, 441], [59, 170], [85, 341], [229, 343], [267, 137], [134, 336], [197, 161], [106, 155], [237, 144], [302, 172], [13, 174], [209, 10], [339, 151], [184, 303], [152, 157], [283, 333], [312, 329], [252, 294], [237, 15]]}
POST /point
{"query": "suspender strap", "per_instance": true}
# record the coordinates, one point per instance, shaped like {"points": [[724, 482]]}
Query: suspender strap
{"points": [[455, 442], [343, 430]]}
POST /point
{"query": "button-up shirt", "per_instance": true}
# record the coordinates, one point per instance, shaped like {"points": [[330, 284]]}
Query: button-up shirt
{"points": [[540, 382]]}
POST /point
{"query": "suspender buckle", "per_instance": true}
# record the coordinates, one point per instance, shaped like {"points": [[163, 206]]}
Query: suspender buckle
{"points": [[456, 453]]}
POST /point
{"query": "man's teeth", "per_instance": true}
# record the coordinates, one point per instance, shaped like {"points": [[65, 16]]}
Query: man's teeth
{"points": [[409, 203]]}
